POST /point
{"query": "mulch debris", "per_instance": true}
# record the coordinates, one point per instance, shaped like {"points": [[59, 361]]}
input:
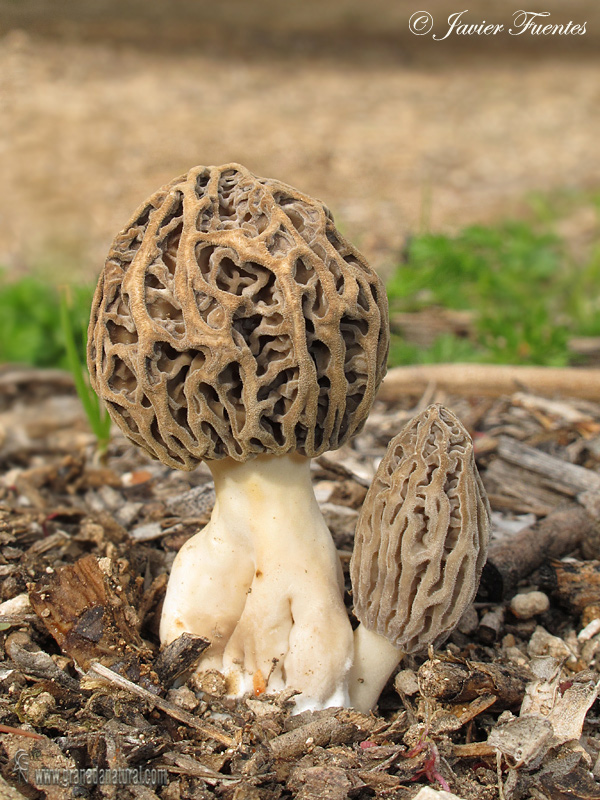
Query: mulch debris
{"points": [[508, 709]]}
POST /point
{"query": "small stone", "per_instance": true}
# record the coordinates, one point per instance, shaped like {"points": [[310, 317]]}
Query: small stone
{"points": [[406, 682], [427, 793], [590, 630], [210, 681], [183, 698], [38, 708], [543, 643], [195, 502], [490, 626], [147, 532], [526, 606], [110, 498], [589, 651], [469, 622], [127, 513], [516, 656], [589, 614], [16, 606], [323, 490]]}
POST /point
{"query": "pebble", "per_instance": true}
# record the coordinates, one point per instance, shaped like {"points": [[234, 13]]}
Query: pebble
{"points": [[16, 605], [469, 622], [195, 502], [516, 656], [427, 793], [127, 513], [183, 697], [526, 606], [406, 682], [37, 708], [591, 629], [147, 532], [543, 643], [111, 499]]}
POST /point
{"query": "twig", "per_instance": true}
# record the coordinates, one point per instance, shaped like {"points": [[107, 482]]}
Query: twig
{"points": [[518, 556], [318, 733], [555, 471], [19, 732], [490, 380], [179, 714], [40, 665], [13, 375]]}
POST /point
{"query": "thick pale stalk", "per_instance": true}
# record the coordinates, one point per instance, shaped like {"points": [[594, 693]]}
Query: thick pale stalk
{"points": [[374, 661], [208, 586], [292, 629]]}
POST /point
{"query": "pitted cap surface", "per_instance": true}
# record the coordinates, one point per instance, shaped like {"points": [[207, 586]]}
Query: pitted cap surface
{"points": [[422, 535], [232, 319]]}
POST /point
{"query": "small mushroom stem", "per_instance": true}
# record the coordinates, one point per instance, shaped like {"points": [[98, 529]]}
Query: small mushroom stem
{"points": [[291, 623], [375, 658]]}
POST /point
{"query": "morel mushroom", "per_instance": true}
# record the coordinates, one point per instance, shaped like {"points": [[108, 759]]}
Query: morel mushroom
{"points": [[419, 549], [233, 324]]}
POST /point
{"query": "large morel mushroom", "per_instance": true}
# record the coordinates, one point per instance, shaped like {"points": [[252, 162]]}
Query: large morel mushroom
{"points": [[233, 324]]}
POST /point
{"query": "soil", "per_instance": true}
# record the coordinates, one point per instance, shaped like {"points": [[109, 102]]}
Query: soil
{"points": [[505, 710], [104, 102]]}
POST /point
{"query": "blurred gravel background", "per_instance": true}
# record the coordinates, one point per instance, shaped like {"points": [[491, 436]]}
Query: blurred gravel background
{"points": [[102, 102]]}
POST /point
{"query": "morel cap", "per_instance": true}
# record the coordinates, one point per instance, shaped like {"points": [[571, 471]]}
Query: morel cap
{"points": [[232, 319], [421, 538]]}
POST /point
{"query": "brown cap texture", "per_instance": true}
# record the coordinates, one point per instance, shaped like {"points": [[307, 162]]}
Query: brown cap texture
{"points": [[232, 319], [421, 538]]}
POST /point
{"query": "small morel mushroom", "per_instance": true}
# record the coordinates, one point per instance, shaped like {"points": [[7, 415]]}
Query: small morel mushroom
{"points": [[419, 549], [233, 324]]}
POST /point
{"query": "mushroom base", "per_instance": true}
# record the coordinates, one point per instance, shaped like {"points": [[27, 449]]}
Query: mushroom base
{"points": [[263, 582], [375, 659]]}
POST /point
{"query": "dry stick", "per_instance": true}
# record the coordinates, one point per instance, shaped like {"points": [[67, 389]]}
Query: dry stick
{"points": [[511, 559], [11, 375], [19, 732], [521, 490], [295, 743], [39, 664], [177, 713], [491, 380], [320, 733], [564, 476]]}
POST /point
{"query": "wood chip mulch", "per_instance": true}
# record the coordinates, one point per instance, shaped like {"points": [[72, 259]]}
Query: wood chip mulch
{"points": [[507, 709]]}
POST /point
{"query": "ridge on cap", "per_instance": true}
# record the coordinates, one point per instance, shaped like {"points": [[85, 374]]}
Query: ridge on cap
{"points": [[232, 319]]}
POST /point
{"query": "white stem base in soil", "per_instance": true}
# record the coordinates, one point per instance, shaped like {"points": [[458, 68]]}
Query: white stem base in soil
{"points": [[374, 661], [263, 582]]}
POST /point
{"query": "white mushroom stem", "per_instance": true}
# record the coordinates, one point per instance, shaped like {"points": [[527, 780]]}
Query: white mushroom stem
{"points": [[375, 658], [293, 630]]}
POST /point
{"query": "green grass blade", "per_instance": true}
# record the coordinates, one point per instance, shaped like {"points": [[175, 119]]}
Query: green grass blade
{"points": [[97, 416]]}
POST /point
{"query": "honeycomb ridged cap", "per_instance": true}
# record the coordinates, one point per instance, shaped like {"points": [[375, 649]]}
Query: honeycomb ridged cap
{"points": [[422, 535], [232, 320]]}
